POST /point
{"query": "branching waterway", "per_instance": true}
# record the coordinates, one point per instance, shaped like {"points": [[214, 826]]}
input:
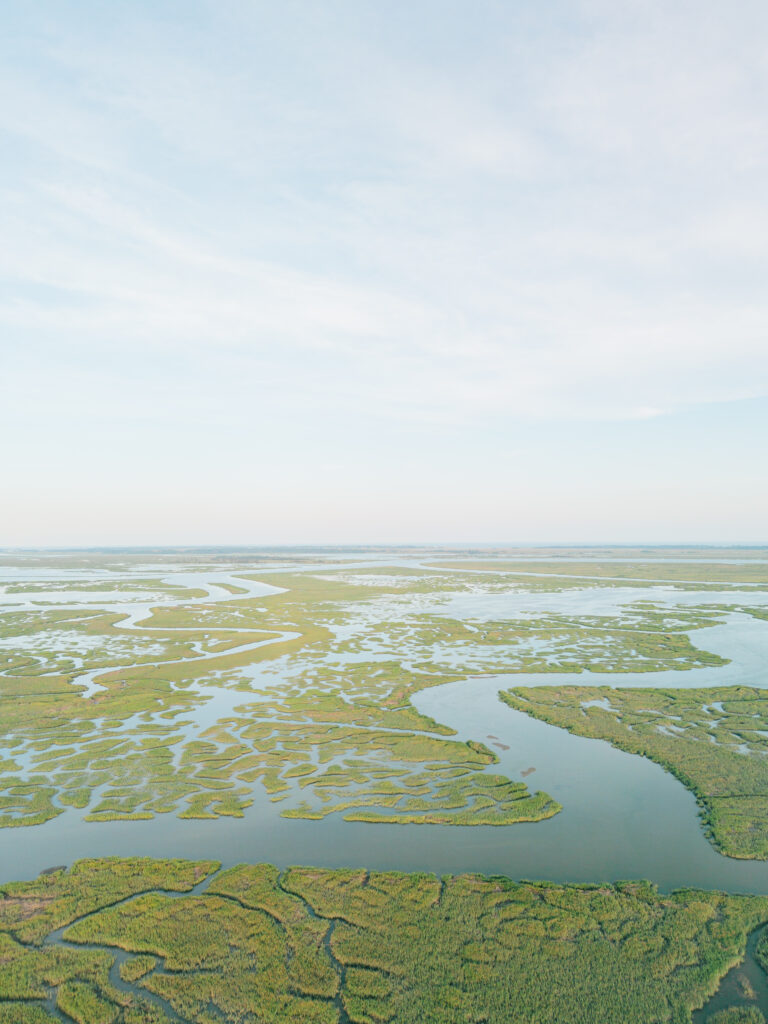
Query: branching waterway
{"points": [[623, 817]]}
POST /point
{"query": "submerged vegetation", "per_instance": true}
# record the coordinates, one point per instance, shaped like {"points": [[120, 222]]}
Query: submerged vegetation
{"points": [[253, 945], [303, 692], [737, 1015], [714, 740]]}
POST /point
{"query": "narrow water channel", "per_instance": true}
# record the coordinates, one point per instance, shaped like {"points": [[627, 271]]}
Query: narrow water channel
{"points": [[623, 816], [744, 985]]}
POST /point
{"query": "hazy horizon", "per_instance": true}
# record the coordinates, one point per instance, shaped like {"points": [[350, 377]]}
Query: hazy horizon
{"points": [[499, 547]]}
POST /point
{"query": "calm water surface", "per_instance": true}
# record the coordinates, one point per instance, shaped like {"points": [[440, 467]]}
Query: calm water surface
{"points": [[623, 817]]}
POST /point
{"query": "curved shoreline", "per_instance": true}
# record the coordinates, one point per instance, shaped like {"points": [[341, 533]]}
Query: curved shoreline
{"points": [[591, 838]]}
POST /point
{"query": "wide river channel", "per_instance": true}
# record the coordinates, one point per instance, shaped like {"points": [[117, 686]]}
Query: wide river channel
{"points": [[623, 816]]}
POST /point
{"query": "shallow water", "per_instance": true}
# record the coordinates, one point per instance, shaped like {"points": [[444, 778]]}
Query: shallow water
{"points": [[746, 984], [623, 817]]}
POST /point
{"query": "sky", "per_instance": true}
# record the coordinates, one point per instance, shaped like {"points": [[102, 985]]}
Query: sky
{"points": [[361, 272]]}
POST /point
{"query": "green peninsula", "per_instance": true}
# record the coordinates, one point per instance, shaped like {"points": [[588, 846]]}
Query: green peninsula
{"points": [[715, 740]]}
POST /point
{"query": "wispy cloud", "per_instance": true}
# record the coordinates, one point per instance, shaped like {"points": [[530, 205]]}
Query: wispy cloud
{"points": [[549, 218]]}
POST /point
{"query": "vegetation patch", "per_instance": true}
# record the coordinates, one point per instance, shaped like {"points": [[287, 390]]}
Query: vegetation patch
{"points": [[254, 945], [304, 693]]}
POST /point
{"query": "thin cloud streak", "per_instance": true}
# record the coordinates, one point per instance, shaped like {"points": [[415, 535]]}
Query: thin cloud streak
{"points": [[489, 224]]}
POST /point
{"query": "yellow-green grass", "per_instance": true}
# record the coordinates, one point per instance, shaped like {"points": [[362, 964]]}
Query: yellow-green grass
{"points": [[303, 705], [314, 945]]}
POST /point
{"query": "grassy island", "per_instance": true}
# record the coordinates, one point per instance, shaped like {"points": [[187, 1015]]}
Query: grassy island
{"points": [[304, 692]]}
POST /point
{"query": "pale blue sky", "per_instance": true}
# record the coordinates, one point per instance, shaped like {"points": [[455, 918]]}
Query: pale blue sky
{"points": [[352, 271]]}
